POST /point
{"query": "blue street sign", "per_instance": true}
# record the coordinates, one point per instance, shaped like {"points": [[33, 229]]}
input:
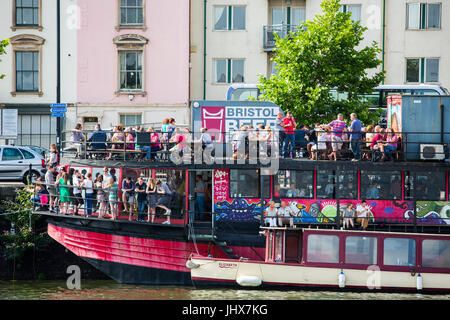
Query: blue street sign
{"points": [[58, 115], [58, 105], [58, 110]]}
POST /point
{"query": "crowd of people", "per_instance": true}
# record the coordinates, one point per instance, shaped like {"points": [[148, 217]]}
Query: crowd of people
{"points": [[125, 139], [323, 141], [61, 190], [326, 141]]}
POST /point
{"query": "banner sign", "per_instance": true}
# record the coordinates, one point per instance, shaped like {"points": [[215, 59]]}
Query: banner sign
{"points": [[229, 116]]}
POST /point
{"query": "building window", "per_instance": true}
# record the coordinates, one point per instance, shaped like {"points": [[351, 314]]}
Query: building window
{"points": [[355, 11], [422, 70], [229, 70], [399, 252], [384, 185], [27, 14], [27, 65], [131, 63], [36, 130], [130, 120], [294, 184], [421, 16], [131, 12], [131, 70], [27, 71], [229, 18], [298, 16]]}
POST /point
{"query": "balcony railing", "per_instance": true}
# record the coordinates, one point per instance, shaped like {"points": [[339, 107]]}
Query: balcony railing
{"points": [[282, 30]]}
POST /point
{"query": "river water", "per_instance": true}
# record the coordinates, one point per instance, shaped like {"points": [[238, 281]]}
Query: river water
{"points": [[110, 290]]}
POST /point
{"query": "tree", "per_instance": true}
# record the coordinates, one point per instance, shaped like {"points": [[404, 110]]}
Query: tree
{"points": [[323, 57], [3, 45]]}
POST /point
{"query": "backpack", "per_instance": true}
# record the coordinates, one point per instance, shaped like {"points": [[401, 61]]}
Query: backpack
{"points": [[376, 156]]}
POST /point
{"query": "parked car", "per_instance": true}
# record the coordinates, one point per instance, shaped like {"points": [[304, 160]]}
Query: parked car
{"points": [[15, 164], [40, 150]]}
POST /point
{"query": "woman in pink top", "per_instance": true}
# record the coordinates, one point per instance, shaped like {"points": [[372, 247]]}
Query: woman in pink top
{"points": [[376, 141], [390, 145], [154, 139], [129, 138]]}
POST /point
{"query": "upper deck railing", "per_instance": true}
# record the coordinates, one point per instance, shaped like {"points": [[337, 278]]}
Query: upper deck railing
{"points": [[251, 145]]}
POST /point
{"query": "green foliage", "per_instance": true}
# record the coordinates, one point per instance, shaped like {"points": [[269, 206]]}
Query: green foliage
{"points": [[320, 58], [3, 45], [15, 245]]}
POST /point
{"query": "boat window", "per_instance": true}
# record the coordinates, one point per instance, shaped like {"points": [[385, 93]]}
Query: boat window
{"points": [[384, 185], [323, 248], [436, 253], [427, 186], [347, 184], [399, 252], [361, 250], [294, 184], [245, 184]]}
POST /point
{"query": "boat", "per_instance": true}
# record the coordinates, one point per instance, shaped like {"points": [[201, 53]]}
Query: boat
{"points": [[299, 258], [401, 197]]}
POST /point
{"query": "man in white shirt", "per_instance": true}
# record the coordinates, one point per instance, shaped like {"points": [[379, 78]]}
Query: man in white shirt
{"points": [[285, 215], [362, 212], [77, 199]]}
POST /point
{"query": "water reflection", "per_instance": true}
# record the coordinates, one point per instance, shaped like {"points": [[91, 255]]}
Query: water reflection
{"points": [[110, 290]]}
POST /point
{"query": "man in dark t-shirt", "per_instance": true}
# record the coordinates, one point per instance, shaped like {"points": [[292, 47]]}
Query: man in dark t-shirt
{"points": [[140, 189]]}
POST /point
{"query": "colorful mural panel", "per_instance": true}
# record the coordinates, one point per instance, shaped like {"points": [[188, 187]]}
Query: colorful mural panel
{"points": [[433, 212]]}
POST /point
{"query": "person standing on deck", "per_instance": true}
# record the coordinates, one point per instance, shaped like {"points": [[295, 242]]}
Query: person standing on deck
{"points": [[279, 125], [289, 130], [337, 127], [140, 190], [151, 199], [112, 188], [64, 194], [355, 137], [199, 197], [163, 191], [89, 195], [51, 188], [77, 200]]}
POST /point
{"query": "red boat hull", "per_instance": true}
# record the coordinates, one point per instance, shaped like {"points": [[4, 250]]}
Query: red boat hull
{"points": [[141, 258]]}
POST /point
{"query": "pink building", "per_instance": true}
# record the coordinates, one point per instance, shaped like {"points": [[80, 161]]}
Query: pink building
{"points": [[132, 63]]}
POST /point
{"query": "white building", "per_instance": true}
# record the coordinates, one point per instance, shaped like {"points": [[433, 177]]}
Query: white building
{"points": [[30, 66], [236, 43]]}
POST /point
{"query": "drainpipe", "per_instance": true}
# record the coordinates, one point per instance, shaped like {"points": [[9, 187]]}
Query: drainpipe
{"points": [[204, 49], [384, 31], [58, 75]]}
